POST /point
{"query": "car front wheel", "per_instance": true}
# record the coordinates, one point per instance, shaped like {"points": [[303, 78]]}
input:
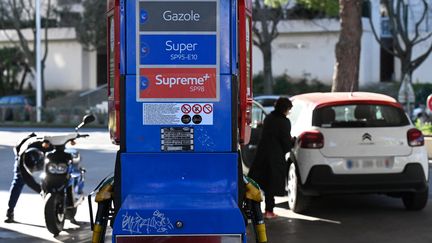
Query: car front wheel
{"points": [[297, 201]]}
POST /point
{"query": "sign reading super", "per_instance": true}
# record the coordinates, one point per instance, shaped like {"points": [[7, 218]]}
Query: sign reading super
{"points": [[178, 49], [173, 34]]}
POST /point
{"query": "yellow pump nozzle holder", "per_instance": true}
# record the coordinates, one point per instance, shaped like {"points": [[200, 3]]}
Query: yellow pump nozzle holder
{"points": [[261, 233], [253, 193], [104, 193]]}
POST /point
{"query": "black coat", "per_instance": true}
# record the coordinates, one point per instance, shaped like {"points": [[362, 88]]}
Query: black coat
{"points": [[269, 168]]}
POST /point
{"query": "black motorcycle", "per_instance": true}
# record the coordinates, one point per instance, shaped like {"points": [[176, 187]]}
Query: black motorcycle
{"points": [[62, 178]]}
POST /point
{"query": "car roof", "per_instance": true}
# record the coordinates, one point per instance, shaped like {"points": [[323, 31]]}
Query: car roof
{"points": [[335, 98]]}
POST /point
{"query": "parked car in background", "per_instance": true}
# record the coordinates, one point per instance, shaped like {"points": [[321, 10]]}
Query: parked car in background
{"points": [[268, 101], [355, 143], [15, 107]]}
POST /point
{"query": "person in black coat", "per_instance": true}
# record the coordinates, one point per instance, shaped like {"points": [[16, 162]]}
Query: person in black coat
{"points": [[269, 167]]}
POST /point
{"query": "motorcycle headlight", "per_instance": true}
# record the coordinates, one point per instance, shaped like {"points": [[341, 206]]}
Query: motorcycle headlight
{"points": [[57, 168]]}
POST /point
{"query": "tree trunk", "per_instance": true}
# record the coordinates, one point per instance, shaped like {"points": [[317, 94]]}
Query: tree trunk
{"points": [[346, 70], [405, 60], [23, 79], [268, 73]]}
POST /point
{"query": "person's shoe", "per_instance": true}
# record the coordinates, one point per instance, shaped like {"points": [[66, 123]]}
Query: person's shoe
{"points": [[9, 219], [270, 215]]}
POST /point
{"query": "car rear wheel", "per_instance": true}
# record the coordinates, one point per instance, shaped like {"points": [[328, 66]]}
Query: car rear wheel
{"points": [[415, 200], [297, 201]]}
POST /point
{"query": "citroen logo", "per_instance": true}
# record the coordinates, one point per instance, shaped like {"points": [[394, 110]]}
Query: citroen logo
{"points": [[367, 137]]}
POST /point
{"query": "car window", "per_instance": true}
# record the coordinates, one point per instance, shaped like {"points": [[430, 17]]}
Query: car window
{"points": [[359, 115], [258, 116], [267, 102]]}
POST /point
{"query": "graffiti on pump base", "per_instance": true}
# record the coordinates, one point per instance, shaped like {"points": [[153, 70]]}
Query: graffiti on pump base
{"points": [[136, 224]]}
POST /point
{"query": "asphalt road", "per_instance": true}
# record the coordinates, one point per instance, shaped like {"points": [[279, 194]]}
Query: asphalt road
{"points": [[332, 219]]}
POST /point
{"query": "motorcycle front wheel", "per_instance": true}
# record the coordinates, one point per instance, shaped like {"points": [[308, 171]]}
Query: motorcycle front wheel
{"points": [[54, 212]]}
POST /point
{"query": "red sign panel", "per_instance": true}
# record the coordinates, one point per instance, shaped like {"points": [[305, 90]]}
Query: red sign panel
{"points": [[177, 83]]}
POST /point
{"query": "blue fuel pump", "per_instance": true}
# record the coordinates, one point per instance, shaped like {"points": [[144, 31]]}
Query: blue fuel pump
{"points": [[180, 101]]}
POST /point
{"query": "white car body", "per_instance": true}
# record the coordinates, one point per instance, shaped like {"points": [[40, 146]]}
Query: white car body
{"points": [[362, 159]]}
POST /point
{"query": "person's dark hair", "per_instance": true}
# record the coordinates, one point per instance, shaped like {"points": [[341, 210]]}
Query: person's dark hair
{"points": [[283, 104]]}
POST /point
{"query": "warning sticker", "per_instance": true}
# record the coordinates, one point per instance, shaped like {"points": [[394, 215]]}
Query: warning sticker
{"points": [[178, 114], [177, 139]]}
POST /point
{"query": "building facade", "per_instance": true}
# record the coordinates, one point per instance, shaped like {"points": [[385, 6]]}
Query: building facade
{"points": [[68, 65]]}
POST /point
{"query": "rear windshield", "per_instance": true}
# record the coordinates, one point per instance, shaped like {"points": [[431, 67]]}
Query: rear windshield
{"points": [[359, 115]]}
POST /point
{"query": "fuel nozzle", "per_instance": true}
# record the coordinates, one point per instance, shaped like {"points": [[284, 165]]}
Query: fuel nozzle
{"points": [[253, 198]]}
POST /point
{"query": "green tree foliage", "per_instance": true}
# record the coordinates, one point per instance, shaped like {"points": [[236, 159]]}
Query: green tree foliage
{"points": [[275, 3], [329, 7], [285, 85]]}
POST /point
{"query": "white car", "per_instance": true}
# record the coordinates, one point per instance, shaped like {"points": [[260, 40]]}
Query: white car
{"points": [[355, 143]]}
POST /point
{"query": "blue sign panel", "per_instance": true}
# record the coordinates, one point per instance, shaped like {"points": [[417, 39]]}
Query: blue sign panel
{"points": [[178, 49]]}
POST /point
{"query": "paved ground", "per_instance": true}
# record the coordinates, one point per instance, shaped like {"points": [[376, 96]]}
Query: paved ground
{"points": [[335, 219]]}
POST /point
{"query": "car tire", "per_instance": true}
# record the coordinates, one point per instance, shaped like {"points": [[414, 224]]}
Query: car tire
{"points": [[414, 201], [297, 201]]}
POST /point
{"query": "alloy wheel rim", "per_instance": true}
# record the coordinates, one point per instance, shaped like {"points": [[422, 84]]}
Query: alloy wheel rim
{"points": [[292, 185]]}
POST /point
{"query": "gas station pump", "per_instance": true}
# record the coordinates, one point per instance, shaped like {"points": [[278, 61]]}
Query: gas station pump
{"points": [[180, 96]]}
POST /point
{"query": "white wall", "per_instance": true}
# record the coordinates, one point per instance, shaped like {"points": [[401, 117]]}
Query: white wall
{"points": [[68, 66], [423, 74], [307, 49]]}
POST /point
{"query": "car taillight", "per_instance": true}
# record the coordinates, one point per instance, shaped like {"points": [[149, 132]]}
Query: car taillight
{"points": [[415, 137], [311, 139]]}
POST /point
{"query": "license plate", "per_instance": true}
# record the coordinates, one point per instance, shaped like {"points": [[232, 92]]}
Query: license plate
{"points": [[369, 163]]}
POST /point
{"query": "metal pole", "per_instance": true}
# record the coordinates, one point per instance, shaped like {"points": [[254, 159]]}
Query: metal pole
{"points": [[38, 64]]}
